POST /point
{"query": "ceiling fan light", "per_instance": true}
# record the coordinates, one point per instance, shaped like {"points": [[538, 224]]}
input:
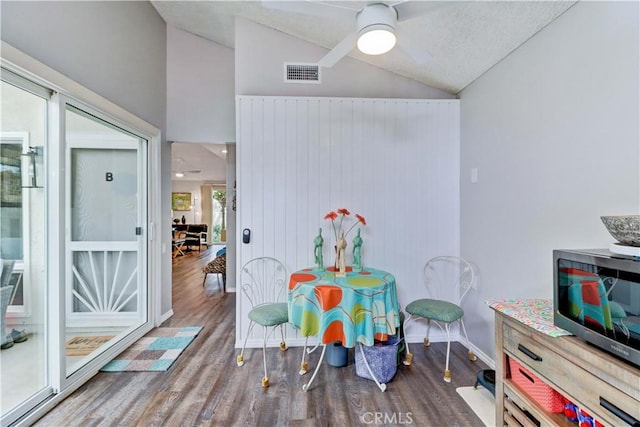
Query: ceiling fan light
{"points": [[376, 39]]}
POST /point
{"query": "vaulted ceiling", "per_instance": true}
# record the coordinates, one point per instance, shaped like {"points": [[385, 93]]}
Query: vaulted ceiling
{"points": [[444, 44], [454, 42]]}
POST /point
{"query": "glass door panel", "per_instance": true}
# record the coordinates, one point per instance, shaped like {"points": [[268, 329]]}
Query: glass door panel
{"points": [[106, 274], [24, 374]]}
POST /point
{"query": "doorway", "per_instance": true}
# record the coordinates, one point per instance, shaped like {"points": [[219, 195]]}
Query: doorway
{"points": [[199, 177], [206, 173]]}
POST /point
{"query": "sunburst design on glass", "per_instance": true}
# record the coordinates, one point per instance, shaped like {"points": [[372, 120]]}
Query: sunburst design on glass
{"points": [[105, 281]]}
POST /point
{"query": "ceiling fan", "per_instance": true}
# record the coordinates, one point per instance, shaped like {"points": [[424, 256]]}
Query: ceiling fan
{"points": [[378, 25], [181, 174]]}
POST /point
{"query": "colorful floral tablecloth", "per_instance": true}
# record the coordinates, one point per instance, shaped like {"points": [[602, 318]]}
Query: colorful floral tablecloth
{"points": [[536, 313], [361, 307]]}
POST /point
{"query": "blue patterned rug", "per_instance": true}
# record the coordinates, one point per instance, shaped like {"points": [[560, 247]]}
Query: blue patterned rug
{"points": [[156, 351]]}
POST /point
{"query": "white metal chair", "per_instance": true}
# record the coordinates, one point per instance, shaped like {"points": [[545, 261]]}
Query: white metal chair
{"points": [[448, 280], [263, 281]]}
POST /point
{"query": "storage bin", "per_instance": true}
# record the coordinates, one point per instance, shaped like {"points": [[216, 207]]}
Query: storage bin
{"points": [[337, 355], [543, 394], [382, 359]]}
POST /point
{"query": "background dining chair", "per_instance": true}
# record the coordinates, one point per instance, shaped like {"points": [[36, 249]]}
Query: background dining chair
{"points": [[448, 280], [194, 235], [178, 243], [263, 281]]}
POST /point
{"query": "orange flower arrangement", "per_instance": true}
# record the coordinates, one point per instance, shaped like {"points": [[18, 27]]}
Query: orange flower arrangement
{"points": [[333, 216]]}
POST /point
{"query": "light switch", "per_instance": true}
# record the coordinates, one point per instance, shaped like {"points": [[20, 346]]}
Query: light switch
{"points": [[474, 175]]}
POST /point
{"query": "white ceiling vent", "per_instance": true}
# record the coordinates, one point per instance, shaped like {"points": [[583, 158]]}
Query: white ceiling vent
{"points": [[301, 73]]}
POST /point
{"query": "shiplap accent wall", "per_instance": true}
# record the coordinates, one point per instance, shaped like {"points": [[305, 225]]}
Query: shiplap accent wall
{"points": [[394, 161]]}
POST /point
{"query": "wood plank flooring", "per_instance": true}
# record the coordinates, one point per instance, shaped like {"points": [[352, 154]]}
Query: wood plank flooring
{"points": [[205, 387]]}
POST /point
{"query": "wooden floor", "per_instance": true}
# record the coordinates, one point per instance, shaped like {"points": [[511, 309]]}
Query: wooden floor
{"points": [[206, 387]]}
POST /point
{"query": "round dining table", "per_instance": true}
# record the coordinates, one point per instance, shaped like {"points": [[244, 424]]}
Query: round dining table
{"points": [[359, 308]]}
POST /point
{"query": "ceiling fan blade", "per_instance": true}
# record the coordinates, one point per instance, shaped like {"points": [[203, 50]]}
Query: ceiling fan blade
{"points": [[340, 51], [312, 8], [417, 53], [412, 9]]}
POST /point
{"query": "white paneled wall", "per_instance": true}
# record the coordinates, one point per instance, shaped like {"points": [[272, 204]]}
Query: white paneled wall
{"points": [[394, 161]]}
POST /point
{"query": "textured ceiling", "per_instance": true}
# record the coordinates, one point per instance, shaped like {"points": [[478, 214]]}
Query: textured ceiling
{"points": [[463, 39]]}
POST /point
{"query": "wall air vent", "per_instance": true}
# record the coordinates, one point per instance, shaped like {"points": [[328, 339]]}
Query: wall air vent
{"points": [[301, 73]]}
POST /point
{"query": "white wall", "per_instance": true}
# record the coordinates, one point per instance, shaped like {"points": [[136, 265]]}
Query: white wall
{"points": [[118, 50], [553, 130], [396, 162], [261, 53], [200, 89]]}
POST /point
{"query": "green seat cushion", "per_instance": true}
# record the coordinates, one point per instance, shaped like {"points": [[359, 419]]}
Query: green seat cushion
{"points": [[270, 314], [617, 312], [442, 311]]}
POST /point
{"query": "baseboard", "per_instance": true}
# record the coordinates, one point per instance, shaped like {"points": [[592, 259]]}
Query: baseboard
{"points": [[434, 336], [442, 337], [482, 356], [299, 342]]}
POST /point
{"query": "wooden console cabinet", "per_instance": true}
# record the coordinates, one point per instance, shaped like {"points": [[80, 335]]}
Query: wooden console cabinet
{"points": [[607, 388]]}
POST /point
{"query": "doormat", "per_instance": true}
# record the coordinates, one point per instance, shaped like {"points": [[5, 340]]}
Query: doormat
{"points": [[482, 402], [81, 346], [156, 351]]}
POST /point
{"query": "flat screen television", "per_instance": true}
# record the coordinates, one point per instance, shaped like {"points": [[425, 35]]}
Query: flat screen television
{"points": [[597, 298]]}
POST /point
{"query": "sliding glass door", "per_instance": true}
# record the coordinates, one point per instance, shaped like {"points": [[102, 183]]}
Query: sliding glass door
{"points": [[106, 286], [74, 243]]}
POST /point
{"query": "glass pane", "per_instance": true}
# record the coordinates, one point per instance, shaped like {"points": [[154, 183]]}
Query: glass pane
{"points": [[23, 314], [103, 195]]}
